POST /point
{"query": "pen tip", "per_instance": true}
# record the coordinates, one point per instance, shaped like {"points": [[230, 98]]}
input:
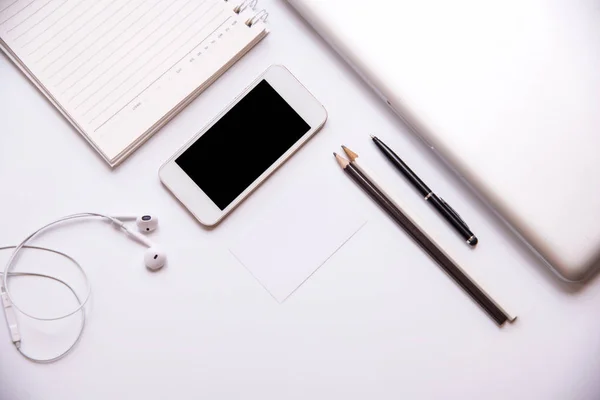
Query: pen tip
{"points": [[372, 136]]}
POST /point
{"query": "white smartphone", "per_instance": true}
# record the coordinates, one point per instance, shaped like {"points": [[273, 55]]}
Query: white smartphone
{"points": [[220, 166]]}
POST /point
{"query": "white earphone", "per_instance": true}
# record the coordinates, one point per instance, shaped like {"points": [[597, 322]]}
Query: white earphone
{"points": [[154, 259]]}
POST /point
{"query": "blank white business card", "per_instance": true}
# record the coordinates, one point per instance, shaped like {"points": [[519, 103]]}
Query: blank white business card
{"points": [[294, 236]]}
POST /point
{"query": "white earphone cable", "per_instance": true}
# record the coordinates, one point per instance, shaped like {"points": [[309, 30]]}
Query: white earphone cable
{"points": [[4, 288], [82, 310]]}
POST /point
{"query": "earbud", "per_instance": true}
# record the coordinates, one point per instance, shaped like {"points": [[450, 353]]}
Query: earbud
{"points": [[146, 223], [155, 258]]}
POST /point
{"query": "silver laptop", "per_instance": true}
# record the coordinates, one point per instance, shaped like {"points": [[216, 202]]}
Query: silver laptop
{"points": [[507, 93]]}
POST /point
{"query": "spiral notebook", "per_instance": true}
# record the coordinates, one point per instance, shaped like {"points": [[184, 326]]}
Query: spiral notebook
{"points": [[119, 70]]}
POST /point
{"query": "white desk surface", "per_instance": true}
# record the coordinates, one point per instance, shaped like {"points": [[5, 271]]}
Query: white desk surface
{"points": [[379, 320]]}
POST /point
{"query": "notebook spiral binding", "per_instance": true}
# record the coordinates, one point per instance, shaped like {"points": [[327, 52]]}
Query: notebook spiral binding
{"points": [[262, 15], [245, 4]]}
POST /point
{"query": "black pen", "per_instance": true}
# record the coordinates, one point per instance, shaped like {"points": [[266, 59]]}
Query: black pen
{"points": [[438, 203]]}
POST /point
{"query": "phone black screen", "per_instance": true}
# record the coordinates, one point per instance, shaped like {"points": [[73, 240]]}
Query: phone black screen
{"points": [[244, 143]]}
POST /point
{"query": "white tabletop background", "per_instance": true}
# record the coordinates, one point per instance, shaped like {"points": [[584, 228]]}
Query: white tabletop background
{"points": [[379, 320]]}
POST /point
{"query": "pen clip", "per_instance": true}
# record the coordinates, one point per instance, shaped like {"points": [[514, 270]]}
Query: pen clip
{"points": [[453, 212]]}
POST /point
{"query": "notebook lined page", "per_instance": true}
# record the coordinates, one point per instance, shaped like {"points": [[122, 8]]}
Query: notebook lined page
{"points": [[117, 67]]}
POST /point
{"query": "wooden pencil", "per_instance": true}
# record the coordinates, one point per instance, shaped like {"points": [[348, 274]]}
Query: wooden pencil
{"points": [[388, 204]]}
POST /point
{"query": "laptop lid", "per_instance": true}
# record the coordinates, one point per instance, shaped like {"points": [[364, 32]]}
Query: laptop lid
{"points": [[508, 93]]}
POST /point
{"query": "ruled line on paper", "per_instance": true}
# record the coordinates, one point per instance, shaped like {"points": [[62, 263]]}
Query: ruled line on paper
{"points": [[60, 31], [128, 54], [29, 16], [51, 26], [83, 25], [159, 77], [146, 50], [41, 20], [84, 37], [115, 50], [159, 52], [17, 13], [62, 67], [8, 6]]}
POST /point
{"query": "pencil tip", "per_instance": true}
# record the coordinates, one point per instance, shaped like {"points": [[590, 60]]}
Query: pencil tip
{"points": [[351, 155], [335, 154], [341, 160]]}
